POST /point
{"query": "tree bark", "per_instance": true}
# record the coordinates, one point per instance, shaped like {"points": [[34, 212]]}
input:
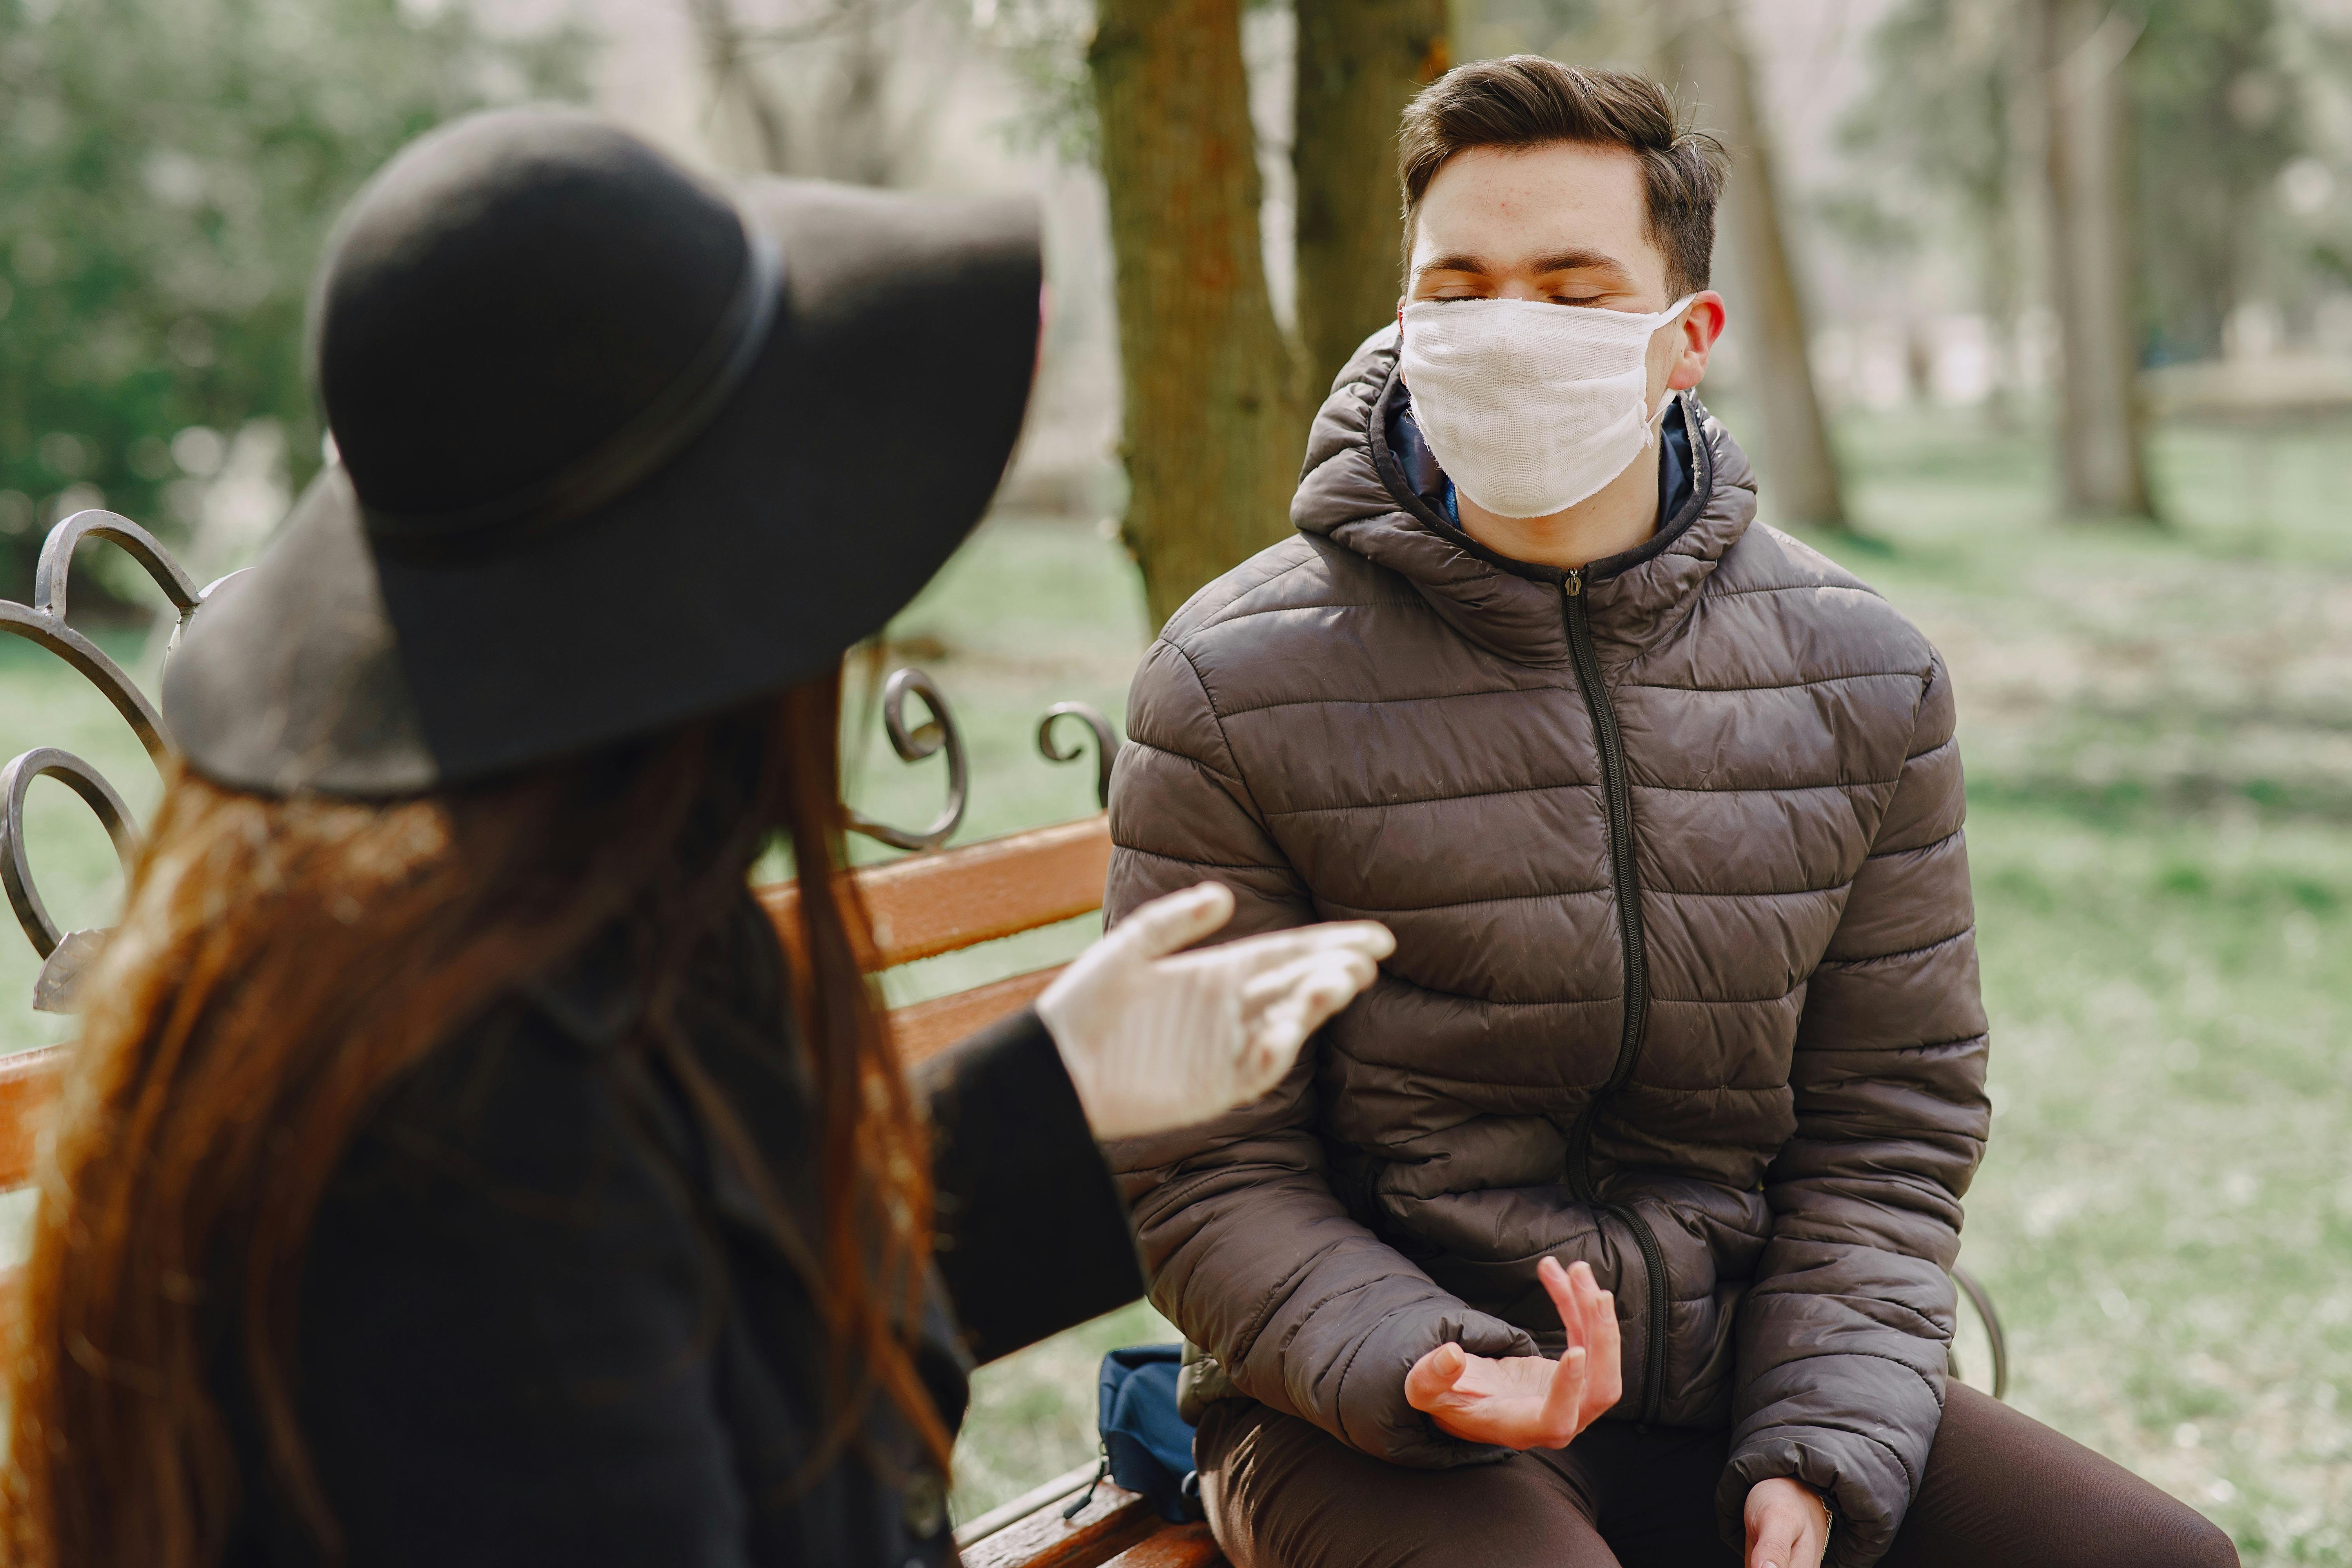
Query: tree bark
{"points": [[1801, 468], [1358, 63], [2093, 268], [1214, 429]]}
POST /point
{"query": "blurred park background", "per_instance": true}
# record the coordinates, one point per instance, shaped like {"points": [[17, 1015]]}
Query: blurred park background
{"points": [[2041, 323]]}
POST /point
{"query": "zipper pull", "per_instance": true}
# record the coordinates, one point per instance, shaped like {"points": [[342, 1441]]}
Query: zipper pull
{"points": [[1101, 1470], [1573, 586]]}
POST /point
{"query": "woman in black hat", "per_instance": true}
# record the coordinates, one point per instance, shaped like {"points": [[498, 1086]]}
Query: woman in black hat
{"points": [[452, 1171]]}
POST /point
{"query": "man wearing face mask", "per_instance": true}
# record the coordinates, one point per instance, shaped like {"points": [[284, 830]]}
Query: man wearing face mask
{"points": [[1663, 809]]}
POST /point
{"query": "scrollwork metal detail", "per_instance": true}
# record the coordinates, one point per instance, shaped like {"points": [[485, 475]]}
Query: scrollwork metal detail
{"points": [[16, 870], [43, 624], [66, 952], [1981, 1299], [1106, 742], [936, 734]]}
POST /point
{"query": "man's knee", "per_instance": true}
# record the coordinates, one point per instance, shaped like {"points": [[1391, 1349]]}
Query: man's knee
{"points": [[1282, 1494], [2201, 1544]]}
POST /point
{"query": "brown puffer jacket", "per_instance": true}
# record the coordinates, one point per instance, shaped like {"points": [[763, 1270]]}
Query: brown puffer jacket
{"points": [[1685, 984]]}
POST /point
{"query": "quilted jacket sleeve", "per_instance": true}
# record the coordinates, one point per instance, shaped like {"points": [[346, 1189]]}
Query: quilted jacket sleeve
{"points": [[1248, 1251], [1843, 1340]]}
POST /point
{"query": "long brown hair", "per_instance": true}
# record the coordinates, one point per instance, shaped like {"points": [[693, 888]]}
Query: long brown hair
{"points": [[280, 965]]}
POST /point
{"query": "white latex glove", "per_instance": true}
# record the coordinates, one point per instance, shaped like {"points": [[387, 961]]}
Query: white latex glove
{"points": [[1154, 1042]]}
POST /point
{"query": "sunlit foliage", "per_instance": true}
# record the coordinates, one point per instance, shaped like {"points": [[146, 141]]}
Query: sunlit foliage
{"points": [[167, 170]]}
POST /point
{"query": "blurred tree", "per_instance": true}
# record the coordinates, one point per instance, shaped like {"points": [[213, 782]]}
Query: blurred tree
{"points": [[167, 170], [1708, 48], [2093, 271], [1583, 32], [1949, 101], [1213, 419], [1358, 64], [834, 90], [2215, 118], [2163, 127]]}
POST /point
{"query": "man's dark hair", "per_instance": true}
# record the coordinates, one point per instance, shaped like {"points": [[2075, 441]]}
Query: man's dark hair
{"points": [[1526, 100]]}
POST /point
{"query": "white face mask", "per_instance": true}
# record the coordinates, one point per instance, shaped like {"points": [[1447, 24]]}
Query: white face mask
{"points": [[1527, 405]]}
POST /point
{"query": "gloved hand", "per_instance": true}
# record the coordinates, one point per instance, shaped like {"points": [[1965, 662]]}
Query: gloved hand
{"points": [[1154, 1042]]}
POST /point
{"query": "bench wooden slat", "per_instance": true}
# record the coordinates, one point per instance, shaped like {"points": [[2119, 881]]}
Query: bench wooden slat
{"points": [[1111, 1523], [926, 1028], [929, 904], [1006, 1515], [29, 1089], [1172, 1546]]}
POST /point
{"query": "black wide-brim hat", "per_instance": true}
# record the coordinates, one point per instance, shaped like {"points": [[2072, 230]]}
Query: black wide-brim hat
{"points": [[617, 448]]}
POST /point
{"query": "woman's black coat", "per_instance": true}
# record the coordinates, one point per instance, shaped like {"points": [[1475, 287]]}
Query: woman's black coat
{"points": [[543, 1320]]}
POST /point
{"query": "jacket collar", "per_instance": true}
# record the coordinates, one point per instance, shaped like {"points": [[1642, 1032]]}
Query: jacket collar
{"points": [[1357, 493]]}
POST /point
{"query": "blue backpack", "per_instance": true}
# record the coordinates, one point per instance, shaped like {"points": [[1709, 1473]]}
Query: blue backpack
{"points": [[1147, 1446]]}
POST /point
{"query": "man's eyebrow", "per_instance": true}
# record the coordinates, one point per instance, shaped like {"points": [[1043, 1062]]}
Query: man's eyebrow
{"points": [[1558, 261], [1578, 261], [1461, 261]]}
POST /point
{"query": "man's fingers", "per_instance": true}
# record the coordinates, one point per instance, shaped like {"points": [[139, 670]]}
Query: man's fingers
{"points": [[1593, 1306], [1433, 1377], [1565, 1299], [1163, 925], [1590, 1315], [1606, 1385], [1564, 1404], [1783, 1518], [1774, 1542]]}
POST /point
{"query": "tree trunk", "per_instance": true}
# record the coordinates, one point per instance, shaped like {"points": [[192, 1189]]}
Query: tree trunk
{"points": [[1215, 426], [734, 82], [2094, 269], [1358, 63], [1801, 468]]}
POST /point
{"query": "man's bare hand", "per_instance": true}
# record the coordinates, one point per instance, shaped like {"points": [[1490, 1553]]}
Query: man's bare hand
{"points": [[1788, 1524], [1529, 1401]]}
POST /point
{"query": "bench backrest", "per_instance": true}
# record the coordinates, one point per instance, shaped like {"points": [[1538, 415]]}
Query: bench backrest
{"points": [[920, 907], [927, 905]]}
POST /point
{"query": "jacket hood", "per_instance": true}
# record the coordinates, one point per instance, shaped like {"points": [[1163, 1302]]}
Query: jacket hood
{"points": [[1360, 494]]}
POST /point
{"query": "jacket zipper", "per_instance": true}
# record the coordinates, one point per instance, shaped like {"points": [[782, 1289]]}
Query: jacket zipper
{"points": [[1618, 796]]}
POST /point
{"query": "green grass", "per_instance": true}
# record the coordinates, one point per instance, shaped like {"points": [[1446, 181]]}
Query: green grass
{"points": [[2157, 725]]}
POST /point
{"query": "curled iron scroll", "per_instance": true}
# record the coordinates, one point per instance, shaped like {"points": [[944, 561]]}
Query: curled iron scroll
{"points": [[66, 952], [16, 870], [43, 624], [939, 733], [1106, 742], [1981, 1299]]}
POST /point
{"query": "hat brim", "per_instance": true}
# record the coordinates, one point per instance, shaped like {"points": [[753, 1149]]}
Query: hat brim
{"points": [[858, 452]]}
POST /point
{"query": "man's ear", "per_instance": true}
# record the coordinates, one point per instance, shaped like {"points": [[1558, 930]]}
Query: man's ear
{"points": [[1701, 326]]}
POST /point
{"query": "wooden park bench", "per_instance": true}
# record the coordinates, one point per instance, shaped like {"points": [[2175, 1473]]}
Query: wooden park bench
{"points": [[932, 902]]}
